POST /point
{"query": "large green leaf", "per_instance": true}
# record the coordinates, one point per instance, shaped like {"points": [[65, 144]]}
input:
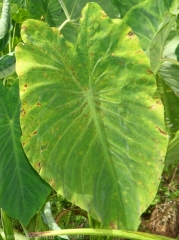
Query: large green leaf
{"points": [[72, 13], [171, 105], [22, 191], [146, 18], [91, 116], [169, 68], [125, 6], [72, 9], [172, 6], [159, 42], [47, 10], [163, 57]]}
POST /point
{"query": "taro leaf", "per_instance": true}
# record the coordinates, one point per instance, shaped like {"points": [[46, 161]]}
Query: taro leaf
{"points": [[169, 69], [164, 56], [73, 8], [172, 6], [125, 6], [22, 191], [72, 13], [5, 19], [7, 65], [91, 116], [47, 10], [171, 104], [4, 25], [157, 45], [20, 15], [145, 19], [20, 3]]}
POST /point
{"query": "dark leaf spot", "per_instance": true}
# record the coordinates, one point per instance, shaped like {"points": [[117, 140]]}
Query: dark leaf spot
{"points": [[24, 27]]}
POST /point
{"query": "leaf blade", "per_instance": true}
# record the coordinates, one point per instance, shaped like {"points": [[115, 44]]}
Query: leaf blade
{"points": [[16, 174], [83, 132]]}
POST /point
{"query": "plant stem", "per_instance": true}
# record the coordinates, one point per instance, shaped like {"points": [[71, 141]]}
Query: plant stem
{"points": [[7, 225], [170, 60], [64, 9], [63, 24], [102, 232], [90, 222], [25, 231], [13, 35]]}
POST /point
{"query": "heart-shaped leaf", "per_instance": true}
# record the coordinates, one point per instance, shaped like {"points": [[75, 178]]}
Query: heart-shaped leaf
{"points": [[22, 191], [125, 6], [91, 116]]}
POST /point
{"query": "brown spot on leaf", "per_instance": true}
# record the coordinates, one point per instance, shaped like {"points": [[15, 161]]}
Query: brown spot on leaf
{"points": [[35, 132], [23, 28], [104, 14], [113, 225], [158, 102], [139, 51], [39, 166], [23, 112], [149, 71], [130, 35], [162, 132], [39, 104]]}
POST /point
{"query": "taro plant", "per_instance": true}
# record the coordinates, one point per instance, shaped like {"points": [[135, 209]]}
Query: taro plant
{"points": [[92, 107]]}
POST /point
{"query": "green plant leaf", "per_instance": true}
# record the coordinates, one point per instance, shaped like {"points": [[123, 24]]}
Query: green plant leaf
{"points": [[20, 15], [4, 41], [22, 190], [7, 65], [169, 69], [125, 6], [73, 8], [91, 116], [172, 6], [20, 3], [159, 42], [46, 10], [5, 19], [171, 105], [145, 19], [173, 150], [72, 13]]}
